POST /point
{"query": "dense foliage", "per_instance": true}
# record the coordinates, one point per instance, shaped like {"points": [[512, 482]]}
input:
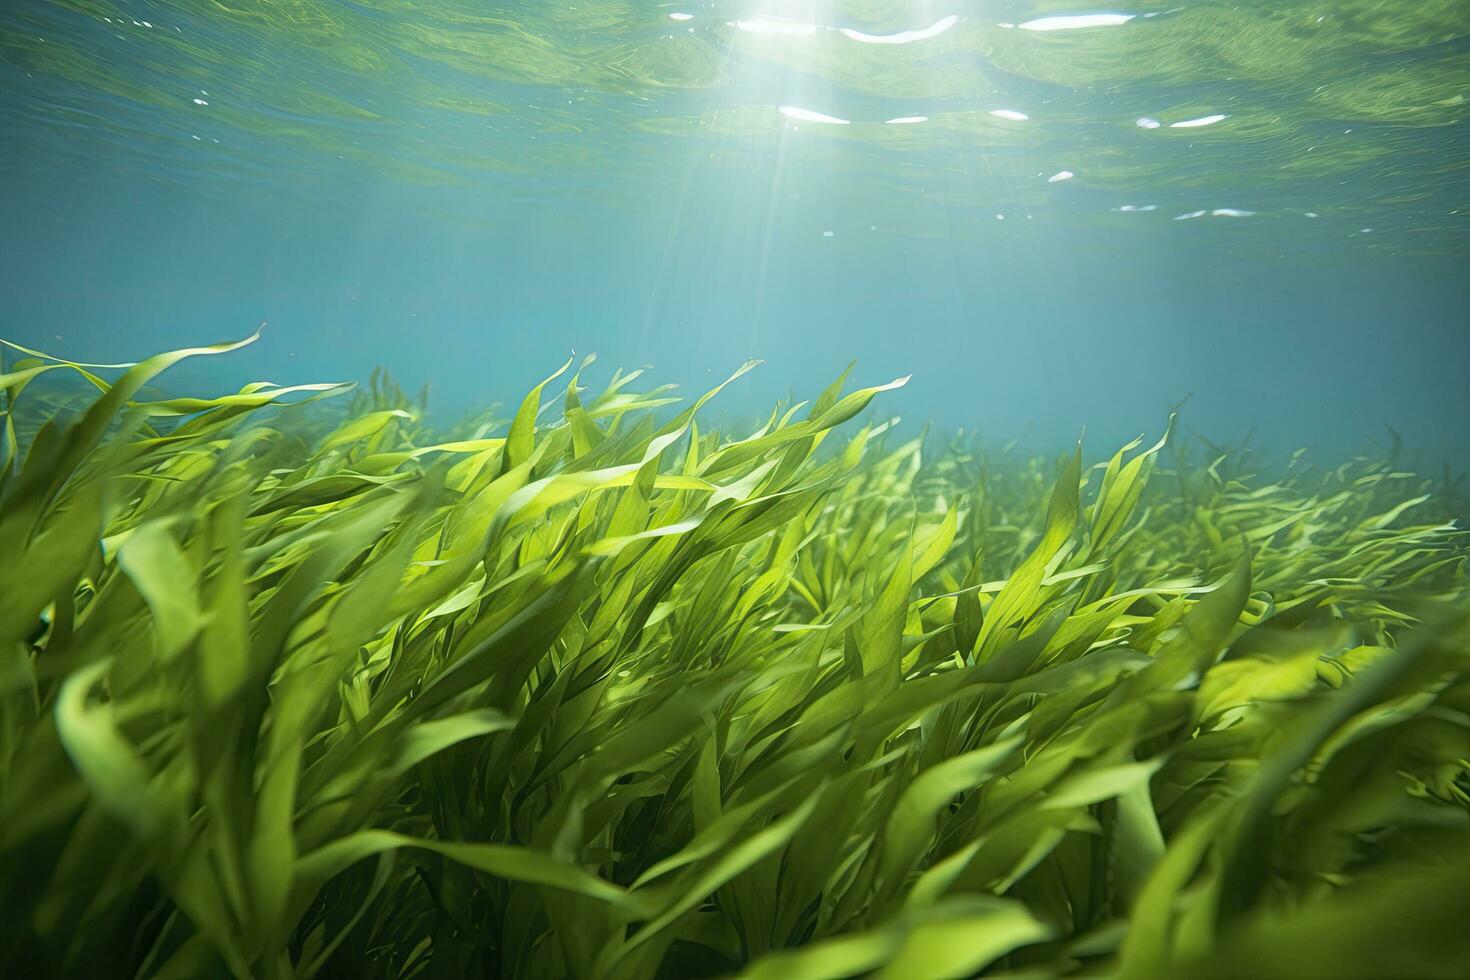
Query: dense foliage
{"points": [[605, 694]]}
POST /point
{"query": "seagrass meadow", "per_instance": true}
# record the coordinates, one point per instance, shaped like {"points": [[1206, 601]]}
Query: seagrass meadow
{"points": [[308, 690]]}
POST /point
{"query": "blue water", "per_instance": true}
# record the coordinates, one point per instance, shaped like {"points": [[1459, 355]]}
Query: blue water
{"points": [[466, 192]]}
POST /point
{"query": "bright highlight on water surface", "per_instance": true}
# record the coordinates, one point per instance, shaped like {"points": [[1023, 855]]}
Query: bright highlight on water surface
{"points": [[905, 120], [1214, 213], [1201, 121], [1011, 114], [807, 115], [1072, 22], [681, 16], [902, 37], [1060, 175], [797, 28]]}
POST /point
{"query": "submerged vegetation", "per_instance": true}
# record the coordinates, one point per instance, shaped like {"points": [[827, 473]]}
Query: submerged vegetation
{"points": [[603, 693]]}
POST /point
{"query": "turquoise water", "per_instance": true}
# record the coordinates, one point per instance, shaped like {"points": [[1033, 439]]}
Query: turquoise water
{"points": [[1054, 216]]}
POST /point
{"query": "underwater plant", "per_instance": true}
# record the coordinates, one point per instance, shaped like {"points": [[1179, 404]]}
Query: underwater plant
{"points": [[293, 693]]}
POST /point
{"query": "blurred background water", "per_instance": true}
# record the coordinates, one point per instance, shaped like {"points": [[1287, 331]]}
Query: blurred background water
{"points": [[1054, 216]]}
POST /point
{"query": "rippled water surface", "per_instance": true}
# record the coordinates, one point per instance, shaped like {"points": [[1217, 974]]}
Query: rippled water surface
{"points": [[1047, 211]]}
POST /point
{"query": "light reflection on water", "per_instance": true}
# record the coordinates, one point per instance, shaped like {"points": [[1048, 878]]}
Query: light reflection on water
{"points": [[1285, 111], [1073, 22]]}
